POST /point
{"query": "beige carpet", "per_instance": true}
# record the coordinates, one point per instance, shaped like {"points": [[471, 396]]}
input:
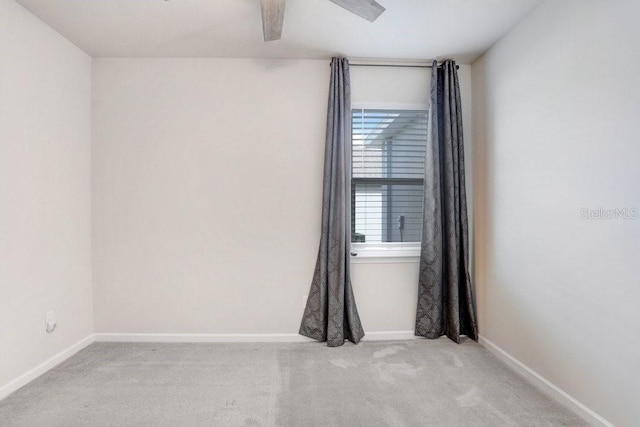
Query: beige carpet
{"points": [[384, 383]]}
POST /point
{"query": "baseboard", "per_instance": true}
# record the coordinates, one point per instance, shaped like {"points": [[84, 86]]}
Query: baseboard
{"points": [[390, 335], [545, 385], [196, 338], [204, 338], [50, 363]]}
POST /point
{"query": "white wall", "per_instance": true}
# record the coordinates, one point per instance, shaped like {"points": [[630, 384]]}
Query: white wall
{"points": [[207, 185], [45, 203], [555, 111], [207, 191]]}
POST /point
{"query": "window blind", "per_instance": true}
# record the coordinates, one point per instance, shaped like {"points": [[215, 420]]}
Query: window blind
{"points": [[388, 150]]}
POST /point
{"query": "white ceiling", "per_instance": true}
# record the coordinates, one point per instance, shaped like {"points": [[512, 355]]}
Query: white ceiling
{"points": [[409, 29]]}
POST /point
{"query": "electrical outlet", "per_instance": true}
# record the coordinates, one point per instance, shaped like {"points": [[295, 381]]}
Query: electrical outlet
{"points": [[50, 322]]}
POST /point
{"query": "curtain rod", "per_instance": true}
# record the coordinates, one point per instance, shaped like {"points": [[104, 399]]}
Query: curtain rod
{"points": [[397, 65]]}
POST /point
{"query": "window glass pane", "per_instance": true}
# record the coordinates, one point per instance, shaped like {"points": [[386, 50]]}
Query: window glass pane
{"points": [[387, 213], [389, 144], [388, 152]]}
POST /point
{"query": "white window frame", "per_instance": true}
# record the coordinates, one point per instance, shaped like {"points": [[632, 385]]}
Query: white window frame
{"points": [[386, 252]]}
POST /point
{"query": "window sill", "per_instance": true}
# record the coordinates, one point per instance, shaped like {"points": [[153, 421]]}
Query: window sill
{"points": [[384, 253]]}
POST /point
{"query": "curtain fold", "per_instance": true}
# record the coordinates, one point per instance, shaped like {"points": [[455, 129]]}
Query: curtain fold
{"points": [[331, 314], [445, 296]]}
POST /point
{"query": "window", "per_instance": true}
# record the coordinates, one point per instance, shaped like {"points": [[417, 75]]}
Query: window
{"points": [[388, 149]]}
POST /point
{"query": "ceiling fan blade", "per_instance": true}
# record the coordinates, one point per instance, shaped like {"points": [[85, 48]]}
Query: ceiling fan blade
{"points": [[272, 19], [367, 9]]}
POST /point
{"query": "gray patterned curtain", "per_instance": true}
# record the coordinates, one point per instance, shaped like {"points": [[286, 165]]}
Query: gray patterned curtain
{"points": [[445, 299], [331, 314]]}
